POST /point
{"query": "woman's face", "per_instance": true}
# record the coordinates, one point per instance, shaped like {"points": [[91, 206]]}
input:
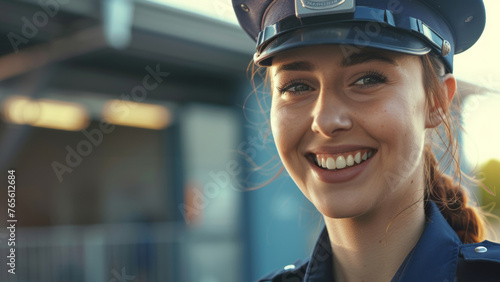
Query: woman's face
{"points": [[350, 130]]}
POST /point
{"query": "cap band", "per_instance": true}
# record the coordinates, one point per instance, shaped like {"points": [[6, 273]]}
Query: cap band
{"points": [[348, 35]]}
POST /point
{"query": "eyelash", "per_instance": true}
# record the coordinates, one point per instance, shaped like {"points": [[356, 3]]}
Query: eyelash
{"points": [[373, 74], [287, 86]]}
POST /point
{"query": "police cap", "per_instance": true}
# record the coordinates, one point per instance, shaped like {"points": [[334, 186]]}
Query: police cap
{"points": [[414, 27]]}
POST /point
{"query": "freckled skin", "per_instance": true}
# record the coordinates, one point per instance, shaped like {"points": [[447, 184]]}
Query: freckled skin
{"points": [[389, 117]]}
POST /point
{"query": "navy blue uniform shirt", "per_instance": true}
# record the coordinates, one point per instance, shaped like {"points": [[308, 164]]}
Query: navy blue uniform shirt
{"points": [[439, 256]]}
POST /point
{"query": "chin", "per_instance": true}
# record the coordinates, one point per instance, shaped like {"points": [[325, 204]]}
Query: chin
{"points": [[339, 207], [339, 213]]}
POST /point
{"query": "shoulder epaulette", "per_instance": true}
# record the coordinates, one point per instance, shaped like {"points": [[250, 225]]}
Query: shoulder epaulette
{"points": [[479, 262], [484, 251]]}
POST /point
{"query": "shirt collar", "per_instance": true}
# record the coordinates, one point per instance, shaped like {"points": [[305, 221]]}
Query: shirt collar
{"points": [[436, 252]]}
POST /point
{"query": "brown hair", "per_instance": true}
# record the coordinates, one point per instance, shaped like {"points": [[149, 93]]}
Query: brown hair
{"points": [[451, 198]]}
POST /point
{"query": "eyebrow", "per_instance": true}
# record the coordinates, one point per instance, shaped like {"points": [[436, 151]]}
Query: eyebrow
{"points": [[295, 66]]}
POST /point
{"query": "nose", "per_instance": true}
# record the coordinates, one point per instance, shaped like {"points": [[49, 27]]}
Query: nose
{"points": [[331, 116]]}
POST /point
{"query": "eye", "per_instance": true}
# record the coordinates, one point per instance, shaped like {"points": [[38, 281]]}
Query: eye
{"points": [[294, 87], [370, 79]]}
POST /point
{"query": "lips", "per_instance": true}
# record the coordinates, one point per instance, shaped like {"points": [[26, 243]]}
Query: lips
{"points": [[340, 164]]}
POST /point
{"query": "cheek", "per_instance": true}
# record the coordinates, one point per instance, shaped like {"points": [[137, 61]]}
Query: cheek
{"points": [[288, 126], [280, 126], [399, 126], [397, 118]]}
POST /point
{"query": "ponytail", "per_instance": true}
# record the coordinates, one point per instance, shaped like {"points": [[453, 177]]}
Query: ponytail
{"points": [[451, 200], [450, 197]]}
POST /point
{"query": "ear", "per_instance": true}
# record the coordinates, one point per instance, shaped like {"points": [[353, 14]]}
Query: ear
{"points": [[438, 111]]}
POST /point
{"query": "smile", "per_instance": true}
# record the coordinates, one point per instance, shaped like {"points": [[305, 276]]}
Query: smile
{"points": [[335, 162]]}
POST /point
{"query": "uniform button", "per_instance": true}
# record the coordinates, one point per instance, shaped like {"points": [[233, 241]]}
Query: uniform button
{"points": [[245, 8], [289, 267], [480, 249]]}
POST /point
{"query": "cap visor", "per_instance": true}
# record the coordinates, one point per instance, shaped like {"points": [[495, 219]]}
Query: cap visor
{"points": [[357, 35]]}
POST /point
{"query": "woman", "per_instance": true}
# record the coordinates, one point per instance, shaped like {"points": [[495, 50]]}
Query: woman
{"points": [[357, 88]]}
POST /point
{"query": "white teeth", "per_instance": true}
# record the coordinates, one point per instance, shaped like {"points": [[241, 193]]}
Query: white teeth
{"points": [[350, 160], [340, 162], [357, 158], [330, 163], [343, 161]]}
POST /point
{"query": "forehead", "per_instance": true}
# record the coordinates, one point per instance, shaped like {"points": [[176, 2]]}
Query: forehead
{"points": [[341, 55]]}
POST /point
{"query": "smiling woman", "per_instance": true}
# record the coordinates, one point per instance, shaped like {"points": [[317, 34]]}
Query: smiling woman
{"points": [[357, 88], [332, 112]]}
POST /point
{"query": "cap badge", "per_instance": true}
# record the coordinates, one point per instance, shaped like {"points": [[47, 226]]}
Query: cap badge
{"points": [[320, 5], [308, 8], [446, 48]]}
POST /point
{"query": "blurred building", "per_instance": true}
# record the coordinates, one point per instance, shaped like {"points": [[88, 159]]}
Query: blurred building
{"points": [[121, 120]]}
